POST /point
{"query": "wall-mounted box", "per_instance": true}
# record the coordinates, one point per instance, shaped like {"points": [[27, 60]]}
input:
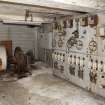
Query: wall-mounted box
{"points": [[84, 21], [93, 20]]}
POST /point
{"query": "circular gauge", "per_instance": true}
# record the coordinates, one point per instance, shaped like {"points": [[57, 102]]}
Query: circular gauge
{"points": [[92, 46], [71, 42], [79, 44]]}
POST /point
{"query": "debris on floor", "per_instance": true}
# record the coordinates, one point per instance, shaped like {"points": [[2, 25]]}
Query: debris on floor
{"points": [[42, 88], [11, 75]]}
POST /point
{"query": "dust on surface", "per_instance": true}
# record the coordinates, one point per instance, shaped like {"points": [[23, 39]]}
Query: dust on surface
{"points": [[42, 88]]}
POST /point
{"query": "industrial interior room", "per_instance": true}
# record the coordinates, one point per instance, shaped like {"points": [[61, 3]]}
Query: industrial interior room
{"points": [[52, 52]]}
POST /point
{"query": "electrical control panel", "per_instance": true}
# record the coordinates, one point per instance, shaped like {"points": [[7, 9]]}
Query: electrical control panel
{"points": [[78, 50], [59, 63], [79, 53], [76, 68]]}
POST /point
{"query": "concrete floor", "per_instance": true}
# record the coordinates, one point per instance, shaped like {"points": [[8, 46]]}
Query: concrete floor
{"points": [[42, 88]]}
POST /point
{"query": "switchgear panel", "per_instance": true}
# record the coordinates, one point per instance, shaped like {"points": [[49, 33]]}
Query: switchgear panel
{"points": [[59, 63], [78, 50]]}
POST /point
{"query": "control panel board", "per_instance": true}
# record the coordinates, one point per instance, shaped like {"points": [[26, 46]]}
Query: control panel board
{"points": [[78, 45]]}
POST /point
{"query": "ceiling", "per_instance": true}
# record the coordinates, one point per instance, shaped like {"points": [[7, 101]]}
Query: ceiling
{"points": [[44, 10], [77, 5], [19, 10]]}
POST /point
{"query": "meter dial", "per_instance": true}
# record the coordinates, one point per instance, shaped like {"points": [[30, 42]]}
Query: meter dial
{"points": [[79, 45], [92, 46]]}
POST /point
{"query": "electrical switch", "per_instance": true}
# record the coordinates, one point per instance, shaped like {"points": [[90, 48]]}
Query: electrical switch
{"points": [[81, 62], [77, 61], [58, 57], [100, 66], [55, 56], [61, 57], [94, 65], [68, 60], [73, 60]]}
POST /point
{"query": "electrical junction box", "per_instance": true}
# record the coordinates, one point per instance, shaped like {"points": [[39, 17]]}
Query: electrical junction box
{"points": [[93, 20], [84, 21], [80, 60]]}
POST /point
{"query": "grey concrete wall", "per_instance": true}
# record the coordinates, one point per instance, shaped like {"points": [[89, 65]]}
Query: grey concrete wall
{"points": [[4, 32], [22, 36]]}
